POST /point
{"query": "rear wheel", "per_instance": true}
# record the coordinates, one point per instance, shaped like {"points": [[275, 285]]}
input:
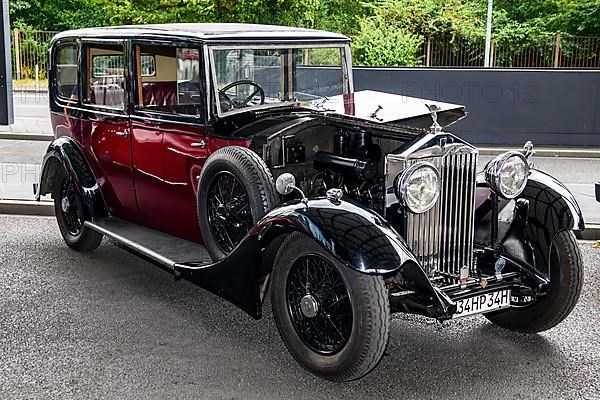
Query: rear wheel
{"points": [[566, 280], [333, 320], [70, 216]]}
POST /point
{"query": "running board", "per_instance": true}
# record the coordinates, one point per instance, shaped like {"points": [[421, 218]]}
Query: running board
{"points": [[234, 278], [160, 248]]}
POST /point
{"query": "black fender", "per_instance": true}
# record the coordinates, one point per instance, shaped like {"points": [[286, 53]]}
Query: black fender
{"points": [[357, 237], [65, 156], [528, 224]]}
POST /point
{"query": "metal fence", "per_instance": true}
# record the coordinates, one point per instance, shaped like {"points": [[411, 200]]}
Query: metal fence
{"points": [[30, 53], [554, 51]]}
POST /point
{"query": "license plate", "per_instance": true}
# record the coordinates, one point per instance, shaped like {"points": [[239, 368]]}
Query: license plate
{"points": [[482, 303]]}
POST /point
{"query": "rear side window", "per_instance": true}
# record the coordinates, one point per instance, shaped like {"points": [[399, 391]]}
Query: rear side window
{"points": [[169, 80], [67, 82], [105, 76]]}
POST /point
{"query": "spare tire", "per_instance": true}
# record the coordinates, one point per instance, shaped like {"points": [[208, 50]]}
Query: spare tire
{"points": [[236, 189]]}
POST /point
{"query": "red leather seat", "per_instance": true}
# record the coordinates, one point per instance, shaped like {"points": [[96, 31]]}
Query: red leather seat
{"points": [[159, 93]]}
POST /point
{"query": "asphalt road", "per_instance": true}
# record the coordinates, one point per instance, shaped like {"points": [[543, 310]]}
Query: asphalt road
{"points": [[109, 325]]}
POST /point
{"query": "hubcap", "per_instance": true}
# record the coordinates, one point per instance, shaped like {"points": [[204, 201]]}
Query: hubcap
{"points": [[70, 210], [309, 306], [65, 204], [319, 304], [222, 212]]}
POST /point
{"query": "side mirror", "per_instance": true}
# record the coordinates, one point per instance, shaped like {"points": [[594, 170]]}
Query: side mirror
{"points": [[285, 184]]}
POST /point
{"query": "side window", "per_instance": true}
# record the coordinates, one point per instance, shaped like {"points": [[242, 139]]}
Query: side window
{"points": [[105, 75], [65, 61], [169, 80]]}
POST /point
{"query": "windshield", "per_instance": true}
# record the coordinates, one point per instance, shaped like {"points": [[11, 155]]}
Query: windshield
{"points": [[271, 76]]}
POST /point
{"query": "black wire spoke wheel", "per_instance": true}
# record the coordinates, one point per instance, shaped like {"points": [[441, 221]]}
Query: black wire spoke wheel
{"points": [[70, 215], [334, 320], [319, 304], [70, 208], [235, 190], [228, 210]]}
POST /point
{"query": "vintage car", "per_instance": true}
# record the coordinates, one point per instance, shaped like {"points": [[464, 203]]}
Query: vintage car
{"points": [[240, 158]]}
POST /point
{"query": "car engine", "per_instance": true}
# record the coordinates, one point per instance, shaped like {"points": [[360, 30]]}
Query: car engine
{"points": [[325, 156]]}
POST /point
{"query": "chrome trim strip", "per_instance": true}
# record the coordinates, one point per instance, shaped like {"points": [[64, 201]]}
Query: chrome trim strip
{"points": [[207, 78], [283, 45], [132, 245]]}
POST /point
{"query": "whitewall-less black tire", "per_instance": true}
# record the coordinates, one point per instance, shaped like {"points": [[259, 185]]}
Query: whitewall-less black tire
{"points": [[236, 189], [70, 215], [566, 280], [335, 321]]}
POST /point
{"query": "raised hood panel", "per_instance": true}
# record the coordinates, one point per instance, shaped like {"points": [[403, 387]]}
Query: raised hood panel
{"points": [[386, 108]]}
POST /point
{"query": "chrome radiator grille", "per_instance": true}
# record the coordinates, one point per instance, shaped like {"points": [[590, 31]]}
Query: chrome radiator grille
{"points": [[442, 238]]}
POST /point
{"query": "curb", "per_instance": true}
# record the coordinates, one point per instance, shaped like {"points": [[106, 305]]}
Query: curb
{"points": [[591, 232], [46, 208], [40, 137], [27, 207]]}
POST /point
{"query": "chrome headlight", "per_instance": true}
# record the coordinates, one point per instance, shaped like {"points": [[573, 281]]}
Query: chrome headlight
{"points": [[418, 187], [507, 174]]}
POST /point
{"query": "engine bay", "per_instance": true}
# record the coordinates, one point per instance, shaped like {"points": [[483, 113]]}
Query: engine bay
{"points": [[322, 157]]}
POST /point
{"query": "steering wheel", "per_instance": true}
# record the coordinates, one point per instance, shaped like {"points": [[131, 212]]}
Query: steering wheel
{"points": [[242, 103]]}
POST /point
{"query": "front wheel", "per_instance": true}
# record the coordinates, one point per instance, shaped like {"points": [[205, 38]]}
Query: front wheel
{"points": [[333, 320], [566, 280]]}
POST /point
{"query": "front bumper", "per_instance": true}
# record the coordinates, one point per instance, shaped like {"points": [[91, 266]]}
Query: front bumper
{"points": [[443, 306]]}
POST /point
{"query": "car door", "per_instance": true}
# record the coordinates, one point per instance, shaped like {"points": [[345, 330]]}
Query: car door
{"points": [[106, 133], [169, 143]]}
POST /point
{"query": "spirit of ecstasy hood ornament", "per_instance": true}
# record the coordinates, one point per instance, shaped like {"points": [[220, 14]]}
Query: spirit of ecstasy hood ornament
{"points": [[433, 110]]}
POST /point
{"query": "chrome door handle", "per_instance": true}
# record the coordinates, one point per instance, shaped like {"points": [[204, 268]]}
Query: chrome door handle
{"points": [[201, 143], [123, 134]]}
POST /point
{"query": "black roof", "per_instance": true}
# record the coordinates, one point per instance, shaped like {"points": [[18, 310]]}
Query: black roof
{"points": [[217, 32]]}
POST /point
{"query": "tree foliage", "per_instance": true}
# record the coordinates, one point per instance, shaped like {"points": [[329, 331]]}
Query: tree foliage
{"points": [[384, 31], [381, 44]]}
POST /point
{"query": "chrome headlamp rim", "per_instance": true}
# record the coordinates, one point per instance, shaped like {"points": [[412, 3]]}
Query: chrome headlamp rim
{"points": [[494, 167], [401, 184]]}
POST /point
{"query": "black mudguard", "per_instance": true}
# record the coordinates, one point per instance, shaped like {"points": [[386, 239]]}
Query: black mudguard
{"points": [[357, 237], [64, 156], [528, 225]]}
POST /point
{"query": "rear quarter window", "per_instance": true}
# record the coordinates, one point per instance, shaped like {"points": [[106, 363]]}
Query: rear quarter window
{"points": [[67, 80]]}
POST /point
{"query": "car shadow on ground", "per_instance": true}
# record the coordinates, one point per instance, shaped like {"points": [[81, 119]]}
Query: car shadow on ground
{"points": [[422, 359]]}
